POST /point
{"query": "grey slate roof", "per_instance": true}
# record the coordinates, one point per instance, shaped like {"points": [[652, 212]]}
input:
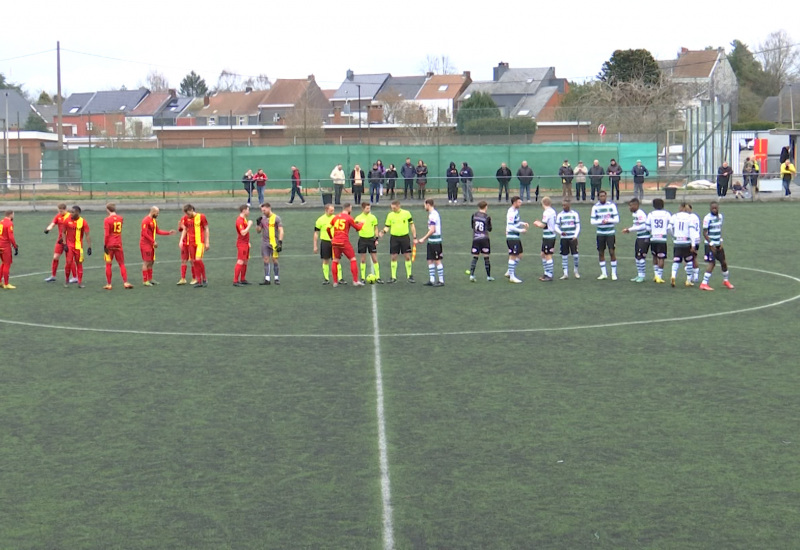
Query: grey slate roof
{"points": [[18, 108], [74, 104], [534, 103], [772, 109], [370, 86], [407, 86], [115, 101]]}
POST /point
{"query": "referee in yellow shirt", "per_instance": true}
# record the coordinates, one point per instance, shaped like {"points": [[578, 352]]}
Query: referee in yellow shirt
{"points": [[400, 226], [368, 241]]}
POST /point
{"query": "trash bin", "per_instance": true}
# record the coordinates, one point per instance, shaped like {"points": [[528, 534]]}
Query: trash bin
{"points": [[670, 192], [327, 198]]}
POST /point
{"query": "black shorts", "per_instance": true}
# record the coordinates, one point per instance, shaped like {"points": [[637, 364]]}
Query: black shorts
{"points": [[400, 245], [366, 245], [658, 250], [548, 245], [481, 246], [606, 241], [435, 251], [682, 252], [714, 253], [640, 248], [325, 250], [569, 246], [514, 247]]}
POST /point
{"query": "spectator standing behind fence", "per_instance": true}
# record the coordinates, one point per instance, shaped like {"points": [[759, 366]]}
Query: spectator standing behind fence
{"points": [[747, 172], [337, 177], [596, 174], [525, 177], [382, 170], [390, 181], [580, 181], [467, 175], [422, 178], [375, 183], [261, 182], [788, 172], [452, 177], [566, 172], [247, 183], [357, 183], [297, 185], [614, 172], [503, 178], [724, 174], [409, 173], [639, 173]]}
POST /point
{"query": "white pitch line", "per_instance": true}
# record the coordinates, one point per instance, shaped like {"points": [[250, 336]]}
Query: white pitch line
{"points": [[386, 493]]}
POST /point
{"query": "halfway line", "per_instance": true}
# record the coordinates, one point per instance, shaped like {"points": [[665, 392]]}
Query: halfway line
{"points": [[388, 524]]}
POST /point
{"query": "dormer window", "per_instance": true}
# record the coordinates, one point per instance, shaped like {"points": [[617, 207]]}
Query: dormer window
{"points": [[443, 88]]}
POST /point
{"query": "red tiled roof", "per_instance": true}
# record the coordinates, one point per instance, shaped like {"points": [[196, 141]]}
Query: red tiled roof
{"points": [[695, 64], [455, 85]]}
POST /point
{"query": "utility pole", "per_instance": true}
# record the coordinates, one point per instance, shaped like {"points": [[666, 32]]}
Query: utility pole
{"points": [[8, 171], [59, 106], [359, 113]]}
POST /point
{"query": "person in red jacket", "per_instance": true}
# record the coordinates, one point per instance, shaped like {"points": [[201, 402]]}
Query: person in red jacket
{"points": [[339, 230], [148, 244], [260, 179], [112, 246], [7, 243]]}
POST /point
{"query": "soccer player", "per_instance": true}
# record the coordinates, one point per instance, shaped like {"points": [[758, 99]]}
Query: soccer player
{"points": [[568, 226], [243, 226], [481, 224], [339, 232], [605, 217], [712, 234], [658, 221], [548, 226], [61, 248], [148, 245], [183, 245], [7, 243], [680, 227], [642, 243], [693, 270], [271, 229], [368, 241], [514, 229], [322, 243], [434, 252], [399, 224], [112, 246], [195, 230], [75, 230]]}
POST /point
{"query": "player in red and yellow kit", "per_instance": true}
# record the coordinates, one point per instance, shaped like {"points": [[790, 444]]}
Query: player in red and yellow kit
{"points": [[112, 246], [75, 231], [243, 226], [339, 231], [7, 243], [184, 247], [148, 244], [197, 238], [58, 221]]}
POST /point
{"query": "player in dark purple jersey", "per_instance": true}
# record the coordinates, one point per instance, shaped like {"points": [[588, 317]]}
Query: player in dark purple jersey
{"points": [[481, 224]]}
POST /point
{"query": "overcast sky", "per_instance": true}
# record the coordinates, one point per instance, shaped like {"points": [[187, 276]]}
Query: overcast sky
{"points": [[108, 44]]}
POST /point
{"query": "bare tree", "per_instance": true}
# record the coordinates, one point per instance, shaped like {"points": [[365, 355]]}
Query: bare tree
{"points": [[156, 82], [438, 64], [780, 59], [304, 121], [228, 81], [260, 82]]}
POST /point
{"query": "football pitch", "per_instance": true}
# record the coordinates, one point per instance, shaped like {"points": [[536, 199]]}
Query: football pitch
{"points": [[569, 414]]}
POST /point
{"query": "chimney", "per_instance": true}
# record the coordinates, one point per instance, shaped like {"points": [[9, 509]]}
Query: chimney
{"points": [[467, 75], [429, 74], [501, 68], [350, 75], [374, 114], [683, 51], [311, 78], [337, 115], [206, 100], [248, 89], [173, 93]]}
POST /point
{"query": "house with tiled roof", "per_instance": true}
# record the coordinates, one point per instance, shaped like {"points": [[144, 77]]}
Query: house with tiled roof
{"points": [[524, 92], [704, 76], [397, 95], [17, 107], [228, 108], [288, 95], [439, 94], [101, 113], [356, 93], [781, 108]]}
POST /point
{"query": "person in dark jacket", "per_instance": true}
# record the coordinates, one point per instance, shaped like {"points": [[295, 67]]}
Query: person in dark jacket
{"points": [[375, 182], [724, 174], [422, 178], [596, 174], [614, 172], [467, 176], [247, 183], [452, 177], [297, 184], [409, 173], [357, 178], [565, 173], [391, 179], [525, 177], [503, 178], [639, 172]]}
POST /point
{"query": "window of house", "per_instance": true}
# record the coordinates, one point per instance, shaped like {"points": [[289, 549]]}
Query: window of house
{"points": [[212, 121], [74, 110], [242, 120], [443, 88], [89, 126]]}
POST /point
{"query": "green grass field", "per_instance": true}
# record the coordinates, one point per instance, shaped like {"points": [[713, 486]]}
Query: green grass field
{"points": [[571, 414]]}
